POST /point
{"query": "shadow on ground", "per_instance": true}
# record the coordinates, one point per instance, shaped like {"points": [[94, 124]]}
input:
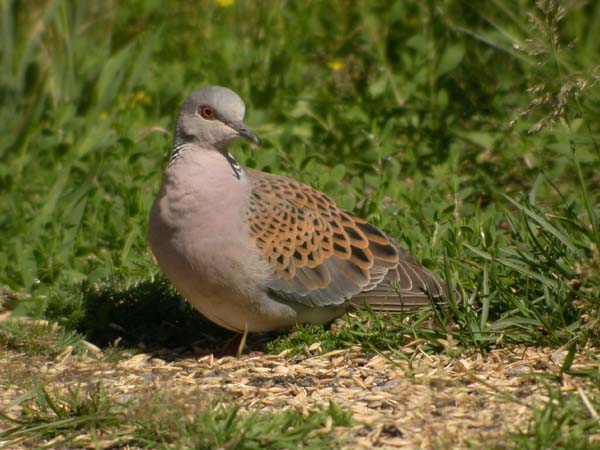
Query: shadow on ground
{"points": [[152, 316]]}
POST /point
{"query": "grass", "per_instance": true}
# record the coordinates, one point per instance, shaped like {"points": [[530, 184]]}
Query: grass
{"points": [[469, 134], [89, 417], [38, 338], [567, 421]]}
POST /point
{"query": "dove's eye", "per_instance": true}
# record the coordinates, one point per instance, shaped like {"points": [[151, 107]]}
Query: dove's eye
{"points": [[207, 112]]}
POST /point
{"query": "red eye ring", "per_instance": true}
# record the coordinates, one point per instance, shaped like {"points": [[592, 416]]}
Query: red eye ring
{"points": [[207, 112]]}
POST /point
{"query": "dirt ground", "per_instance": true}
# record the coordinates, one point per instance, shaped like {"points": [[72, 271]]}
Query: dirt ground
{"points": [[421, 401]]}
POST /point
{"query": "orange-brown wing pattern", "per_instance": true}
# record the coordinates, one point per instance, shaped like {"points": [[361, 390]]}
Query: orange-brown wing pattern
{"points": [[320, 254]]}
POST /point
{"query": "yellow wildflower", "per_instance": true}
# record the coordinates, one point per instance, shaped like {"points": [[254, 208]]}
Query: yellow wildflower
{"points": [[141, 97], [336, 65], [103, 116], [224, 3]]}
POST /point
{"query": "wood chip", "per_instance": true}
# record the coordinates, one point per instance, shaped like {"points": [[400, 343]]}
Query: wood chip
{"points": [[434, 401]]}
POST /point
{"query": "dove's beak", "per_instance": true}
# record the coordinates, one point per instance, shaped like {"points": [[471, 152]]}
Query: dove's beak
{"points": [[243, 131]]}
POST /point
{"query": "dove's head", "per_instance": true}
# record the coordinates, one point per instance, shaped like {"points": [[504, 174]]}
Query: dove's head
{"points": [[212, 118]]}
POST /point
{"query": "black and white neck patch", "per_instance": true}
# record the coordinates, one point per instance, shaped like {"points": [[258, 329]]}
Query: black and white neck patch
{"points": [[176, 152], [235, 167]]}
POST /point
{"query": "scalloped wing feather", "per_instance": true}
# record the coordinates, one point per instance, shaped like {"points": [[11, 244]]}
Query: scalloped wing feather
{"points": [[321, 255]]}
